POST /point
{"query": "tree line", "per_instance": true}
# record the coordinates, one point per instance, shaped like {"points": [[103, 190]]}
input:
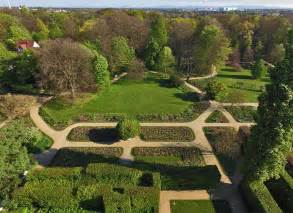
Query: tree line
{"points": [[90, 46]]}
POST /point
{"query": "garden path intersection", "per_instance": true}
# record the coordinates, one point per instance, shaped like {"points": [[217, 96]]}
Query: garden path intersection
{"points": [[227, 190]]}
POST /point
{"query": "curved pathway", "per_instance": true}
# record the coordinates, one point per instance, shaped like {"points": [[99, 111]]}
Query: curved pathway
{"points": [[228, 189]]}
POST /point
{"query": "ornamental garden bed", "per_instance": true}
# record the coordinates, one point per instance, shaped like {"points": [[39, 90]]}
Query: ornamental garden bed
{"points": [[242, 113], [227, 146], [202, 206], [110, 134], [167, 134], [94, 134], [217, 117]]}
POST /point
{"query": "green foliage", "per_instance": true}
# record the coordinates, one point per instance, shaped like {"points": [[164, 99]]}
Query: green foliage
{"points": [[175, 80], [217, 117], [259, 69], [17, 33], [242, 113], [55, 31], [43, 31], [114, 175], [271, 139], [22, 72], [94, 45], [159, 31], [128, 128], [259, 198], [165, 61], [122, 55], [101, 72], [152, 51], [173, 134], [215, 89], [212, 49]]}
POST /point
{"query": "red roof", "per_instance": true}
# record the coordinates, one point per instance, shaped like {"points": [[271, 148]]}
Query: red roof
{"points": [[24, 44]]}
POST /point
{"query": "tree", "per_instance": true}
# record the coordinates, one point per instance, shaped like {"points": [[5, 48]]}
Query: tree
{"points": [[55, 31], [165, 60], [278, 54], [272, 137], [122, 55], [214, 89], [157, 41], [101, 72], [259, 69], [43, 31], [17, 33], [211, 50], [65, 66]]}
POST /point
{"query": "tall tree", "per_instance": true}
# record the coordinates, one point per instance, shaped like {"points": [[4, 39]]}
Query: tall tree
{"points": [[211, 49], [101, 72], [122, 55], [43, 31], [272, 137], [65, 66], [166, 60]]}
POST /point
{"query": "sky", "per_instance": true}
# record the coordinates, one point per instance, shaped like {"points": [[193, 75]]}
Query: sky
{"points": [[148, 3]]}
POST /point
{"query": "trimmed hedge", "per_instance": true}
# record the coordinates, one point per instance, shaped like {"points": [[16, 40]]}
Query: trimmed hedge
{"points": [[258, 197], [82, 156], [242, 113], [114, 175], [94, 134], [168, 134], [54, 173], [189, 114]]}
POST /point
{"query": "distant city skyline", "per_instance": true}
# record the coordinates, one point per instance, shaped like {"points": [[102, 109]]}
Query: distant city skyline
{"points": [[149, 3]]}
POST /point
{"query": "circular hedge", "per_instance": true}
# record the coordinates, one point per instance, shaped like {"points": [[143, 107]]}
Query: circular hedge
{"points": [[128, 128]]}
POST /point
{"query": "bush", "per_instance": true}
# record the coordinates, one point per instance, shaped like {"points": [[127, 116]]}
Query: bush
{"points": [[175, 80], [259, 198], [82, 156], [128, 128], [173, 134], [215, 89], [259, 69]]}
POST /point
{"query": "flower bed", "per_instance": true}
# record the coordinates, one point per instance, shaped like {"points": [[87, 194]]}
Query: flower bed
{"points": [[217, 117], [94, 134], [167, 134], [242, 113]]}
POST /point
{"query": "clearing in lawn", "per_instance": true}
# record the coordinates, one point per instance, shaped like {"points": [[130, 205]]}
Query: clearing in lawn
{"points": [[239, 82], [125, 97]]}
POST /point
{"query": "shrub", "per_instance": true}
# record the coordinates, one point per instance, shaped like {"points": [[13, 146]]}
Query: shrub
{"points": [[82, 156], [258, 197], [54, 173], [115, 175], [215, 89], [175, 80], [259, 69], [117, 202], [128, 128], [175, 134]]}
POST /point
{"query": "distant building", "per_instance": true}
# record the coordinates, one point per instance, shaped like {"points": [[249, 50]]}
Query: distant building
{"points": [[26, 44]]}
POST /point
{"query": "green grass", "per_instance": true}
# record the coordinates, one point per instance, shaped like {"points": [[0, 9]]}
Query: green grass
{"points": [[217, 117], [125, 97], [199, 206], [241, 83]]}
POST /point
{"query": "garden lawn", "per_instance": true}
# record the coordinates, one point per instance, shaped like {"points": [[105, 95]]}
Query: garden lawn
{"points": [[124, 97], [240, 82], [200, 206]]}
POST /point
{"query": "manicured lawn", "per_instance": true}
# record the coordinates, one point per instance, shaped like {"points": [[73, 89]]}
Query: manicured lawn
{"points": [[199, 206], [217, 117], [237, 82], [124, 97]]}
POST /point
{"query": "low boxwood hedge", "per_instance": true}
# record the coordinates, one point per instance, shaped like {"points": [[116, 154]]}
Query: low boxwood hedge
{"points": [[167, 134], [82, 156], [259, 198], [189, 114]]}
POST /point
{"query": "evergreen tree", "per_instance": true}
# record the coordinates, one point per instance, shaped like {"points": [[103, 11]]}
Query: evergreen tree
{"points": [[101, 72], [272, 138], [259, 69]]}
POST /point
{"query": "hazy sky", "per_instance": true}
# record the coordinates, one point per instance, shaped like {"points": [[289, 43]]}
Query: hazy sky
{"points": [[147, 3]]}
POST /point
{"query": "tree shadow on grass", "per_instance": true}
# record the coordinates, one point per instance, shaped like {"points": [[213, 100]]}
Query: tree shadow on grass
{"points": [[188, 96], [173, 177], [242, 77]]}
